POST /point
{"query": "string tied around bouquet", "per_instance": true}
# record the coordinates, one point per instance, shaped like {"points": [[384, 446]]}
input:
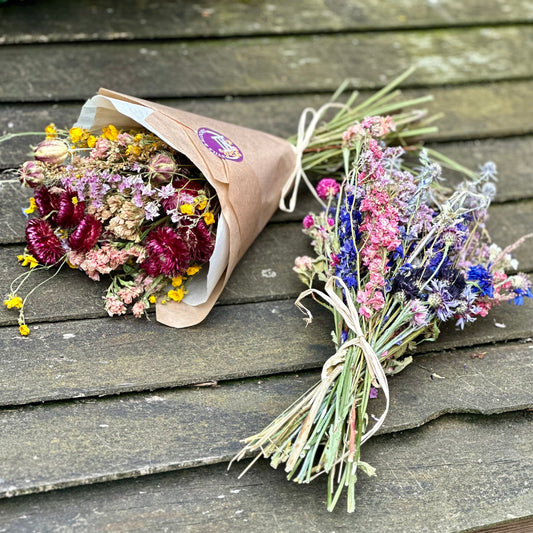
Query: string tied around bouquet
{"points": [[334, 365], [303, 138]]}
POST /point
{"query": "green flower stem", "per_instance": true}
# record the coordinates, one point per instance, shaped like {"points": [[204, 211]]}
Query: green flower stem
{"points": [[450, 163], [9, 136], [24, 276], [59, 265]]}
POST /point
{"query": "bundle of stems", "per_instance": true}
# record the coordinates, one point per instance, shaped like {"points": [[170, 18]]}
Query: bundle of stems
{"points": [[397, 258], [320, 143], [324, 150], [323, 431]]}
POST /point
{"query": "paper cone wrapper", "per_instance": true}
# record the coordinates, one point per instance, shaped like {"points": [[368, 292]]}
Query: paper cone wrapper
{"points": [[247, 169]]}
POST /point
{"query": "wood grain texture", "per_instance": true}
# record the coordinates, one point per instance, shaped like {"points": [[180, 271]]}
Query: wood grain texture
{"points": [[508, 526], [71, 443], [266, 64], [447, 476], [469, 113], [90, 20], [513, 157], [109, 356], [259, 64], [99, 357]]}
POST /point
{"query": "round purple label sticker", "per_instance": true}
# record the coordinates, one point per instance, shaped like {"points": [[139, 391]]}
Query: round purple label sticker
{"points": [[219, 145]]}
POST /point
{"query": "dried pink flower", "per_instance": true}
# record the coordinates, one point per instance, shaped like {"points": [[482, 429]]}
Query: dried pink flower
{"points": [[128, 294], [31, 174], [303, 262], [327, 188], [51, 152], [100, 149], [138, 309], [114, 306], [161, 167], [308, 221]]}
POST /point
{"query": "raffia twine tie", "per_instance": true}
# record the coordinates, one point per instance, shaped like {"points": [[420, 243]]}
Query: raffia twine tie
{"points": [[304, 136], [335, 364]]}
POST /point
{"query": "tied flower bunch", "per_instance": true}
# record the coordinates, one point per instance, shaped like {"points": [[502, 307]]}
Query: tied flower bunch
{"points": [[322, 142], [399, 255], [123, 204]]}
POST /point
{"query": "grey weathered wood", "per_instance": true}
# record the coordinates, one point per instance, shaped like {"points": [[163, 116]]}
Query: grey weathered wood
{"points": [[87, 21], [266, 64], [513, 157], [108, 356], [13, 200], [448, 476], [509, 222], [264, 273], [469, 113], [473, 380], [71, 443], [99, 357], [453, 473]]}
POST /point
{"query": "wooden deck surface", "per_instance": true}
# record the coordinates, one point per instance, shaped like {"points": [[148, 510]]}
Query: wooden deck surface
{"points": [[101, 425]]}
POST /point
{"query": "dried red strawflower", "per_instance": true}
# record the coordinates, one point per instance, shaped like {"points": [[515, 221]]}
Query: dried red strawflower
{"points": [[205, 243], [43, 243], [86, 235], [47, 203], [168, 254], [69, 211]]}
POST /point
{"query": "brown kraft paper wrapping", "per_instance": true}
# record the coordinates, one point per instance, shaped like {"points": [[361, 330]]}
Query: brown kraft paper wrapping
{"points": [[247, 168]]}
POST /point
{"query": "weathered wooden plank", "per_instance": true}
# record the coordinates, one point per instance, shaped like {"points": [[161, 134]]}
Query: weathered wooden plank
{"points": [[13, 200], [264, 273], [109, 356], [88, 21], [447, 476], [419, 395], [100, 357], [71, 443], [516, 526], [513, 157], [470, 112], [156, 504], [272, 65]]}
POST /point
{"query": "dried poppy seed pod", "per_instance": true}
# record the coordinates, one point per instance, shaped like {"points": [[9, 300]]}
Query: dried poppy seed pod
{"points": [[51, 152], [161, 167], [31, 174]]}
